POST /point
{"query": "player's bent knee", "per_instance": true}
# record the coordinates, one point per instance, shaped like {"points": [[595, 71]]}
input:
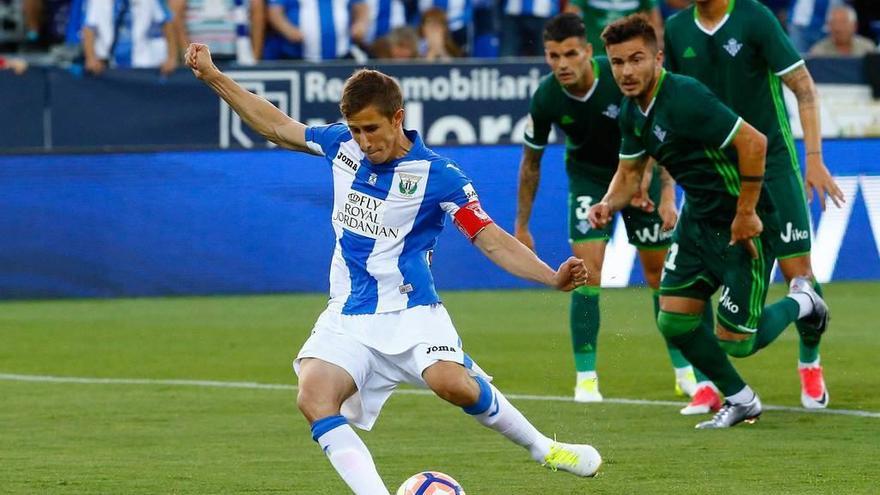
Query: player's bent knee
{"points": [[451, 382], [739, 348], [674, 325], [314, 402]]}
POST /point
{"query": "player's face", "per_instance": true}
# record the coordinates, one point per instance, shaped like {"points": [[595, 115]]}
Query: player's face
{"points": [[569, 59], [635, 65], [376, 134]]}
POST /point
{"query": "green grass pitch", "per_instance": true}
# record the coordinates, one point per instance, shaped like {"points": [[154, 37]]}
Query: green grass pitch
{"points": [[162, 438]]}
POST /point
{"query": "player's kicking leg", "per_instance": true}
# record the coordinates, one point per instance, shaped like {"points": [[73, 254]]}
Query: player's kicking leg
{"points": [[323, 387], [584, 319], [480, 399]]}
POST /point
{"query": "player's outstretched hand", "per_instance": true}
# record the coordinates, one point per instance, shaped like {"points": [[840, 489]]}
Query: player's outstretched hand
{"points": [[198, 58], [524, 236], [818, 178], [745, 227], [599, 215], [572, 273]]}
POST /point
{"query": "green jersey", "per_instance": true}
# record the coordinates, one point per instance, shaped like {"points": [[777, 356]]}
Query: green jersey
{"points": [[687, 129], [592, 136], [599, 13], [741, 60]]}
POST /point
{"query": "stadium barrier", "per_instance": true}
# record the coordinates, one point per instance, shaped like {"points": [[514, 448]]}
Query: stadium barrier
{"points": [[470, 102], [222, 222]]}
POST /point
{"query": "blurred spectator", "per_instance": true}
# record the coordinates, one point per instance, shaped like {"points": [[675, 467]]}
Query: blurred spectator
{"points": [[439, 46], [599, 13], [315, 30], [522, 26], [459, 14], [402, 43], [385, 15], [843, 40], [16, 65], [807, 22], [232, 29], [128, 33], [33, 16]]}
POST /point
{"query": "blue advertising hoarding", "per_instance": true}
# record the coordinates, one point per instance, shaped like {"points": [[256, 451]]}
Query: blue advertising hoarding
{"points": [[220, 222]]}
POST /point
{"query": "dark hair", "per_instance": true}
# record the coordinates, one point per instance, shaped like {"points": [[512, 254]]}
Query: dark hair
{"points": [[629, 27], [370, 87], [564, 26]]}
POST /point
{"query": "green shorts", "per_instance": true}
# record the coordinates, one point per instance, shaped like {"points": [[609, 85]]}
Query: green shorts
{"points": [[643, 229], [700, 260], [790, 201]]}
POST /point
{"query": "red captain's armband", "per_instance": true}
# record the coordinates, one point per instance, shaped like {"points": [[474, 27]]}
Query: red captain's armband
{"points": [[471, 219]]}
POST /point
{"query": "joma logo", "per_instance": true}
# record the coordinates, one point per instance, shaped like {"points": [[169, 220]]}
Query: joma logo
{"points": [[440, 348]]}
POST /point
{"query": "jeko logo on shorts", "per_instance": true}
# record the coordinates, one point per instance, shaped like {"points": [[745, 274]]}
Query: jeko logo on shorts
{"points": [[281, 88]]}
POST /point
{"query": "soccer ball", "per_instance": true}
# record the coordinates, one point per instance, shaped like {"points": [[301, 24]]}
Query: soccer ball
{"points": [[430, 483]]}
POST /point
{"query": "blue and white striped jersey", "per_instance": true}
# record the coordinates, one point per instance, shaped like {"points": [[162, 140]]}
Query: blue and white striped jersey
{"points": [[138, 26], [385, 15], [386, 218], [535, 8], [459, 13], [325, 26]]}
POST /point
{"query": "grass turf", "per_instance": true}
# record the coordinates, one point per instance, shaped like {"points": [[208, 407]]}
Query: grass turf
{"points": [[153, 438]]}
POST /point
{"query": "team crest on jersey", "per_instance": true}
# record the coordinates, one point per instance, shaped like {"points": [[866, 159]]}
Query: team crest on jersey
{"points": [[612, 111], [409, 184], [733, 47], [660, 133], [373, 179]]}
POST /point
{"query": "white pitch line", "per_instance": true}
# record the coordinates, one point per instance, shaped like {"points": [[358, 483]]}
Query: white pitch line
{"points": [[276, 386]]}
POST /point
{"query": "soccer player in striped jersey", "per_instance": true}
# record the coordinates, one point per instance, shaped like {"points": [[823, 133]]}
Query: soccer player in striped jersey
{"points": [[385, 324], [581, 98], [522, 24], [738, 49]]}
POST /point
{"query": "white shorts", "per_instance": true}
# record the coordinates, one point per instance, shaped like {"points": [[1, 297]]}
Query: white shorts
{"points": [[381, 351]]}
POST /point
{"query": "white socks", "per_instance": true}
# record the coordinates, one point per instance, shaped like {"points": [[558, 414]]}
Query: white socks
{"points": [[507, 420], [805, 304], [743, 396], [352, 460]]}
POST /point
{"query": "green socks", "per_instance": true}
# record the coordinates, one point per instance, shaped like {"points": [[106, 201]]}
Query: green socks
{"points": [[584, 324], [774, 320], [675, 355], [806, 353], [701, 349]]}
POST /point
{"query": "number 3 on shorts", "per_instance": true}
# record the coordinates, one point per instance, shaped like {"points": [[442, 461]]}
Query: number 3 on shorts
{"points": [[583, 210], [670, 257]]}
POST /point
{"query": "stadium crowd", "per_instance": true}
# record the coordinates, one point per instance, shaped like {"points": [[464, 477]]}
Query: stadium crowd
{"points": [[154, 33]]}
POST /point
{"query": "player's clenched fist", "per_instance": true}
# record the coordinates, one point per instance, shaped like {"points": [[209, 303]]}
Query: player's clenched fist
{"points": [[599, 215], [198, 58], [572, 273]]}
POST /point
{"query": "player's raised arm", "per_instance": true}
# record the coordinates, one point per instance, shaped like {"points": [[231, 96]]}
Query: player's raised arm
{"points": [[529, 177], [624, 185], [517, 259], [262, 116]]}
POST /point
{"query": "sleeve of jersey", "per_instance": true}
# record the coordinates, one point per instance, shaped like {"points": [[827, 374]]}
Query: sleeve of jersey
{"points": [[708, 120], [537, 129], [320, 138], [463, 205], [630, 146], [781, 55]]}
